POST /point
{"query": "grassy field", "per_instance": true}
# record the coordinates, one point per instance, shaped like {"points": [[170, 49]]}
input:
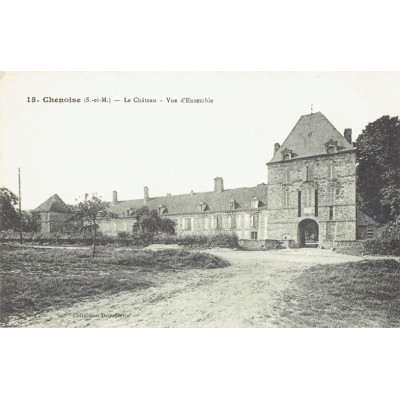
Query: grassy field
{"points": [[33, 280], [359, 294]]}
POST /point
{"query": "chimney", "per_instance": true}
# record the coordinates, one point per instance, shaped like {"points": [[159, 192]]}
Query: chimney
{"points": [[191, 193], [347, 135], [276, 147], [168, 194], [146, 194], [218, 185], [114, 198]]}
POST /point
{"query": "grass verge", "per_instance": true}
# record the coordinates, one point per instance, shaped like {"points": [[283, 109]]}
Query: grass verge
{"points": [[33, 280], [359, 294]]}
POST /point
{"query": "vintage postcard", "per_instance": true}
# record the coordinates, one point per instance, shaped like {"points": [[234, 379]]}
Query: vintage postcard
{"points": [[200, 199]]}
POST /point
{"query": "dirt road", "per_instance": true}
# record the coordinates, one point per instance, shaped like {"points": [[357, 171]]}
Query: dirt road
{"points": [[244, 294]]}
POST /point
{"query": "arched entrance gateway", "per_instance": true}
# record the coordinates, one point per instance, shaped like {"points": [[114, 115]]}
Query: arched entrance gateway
{"points": [[308, 233]]}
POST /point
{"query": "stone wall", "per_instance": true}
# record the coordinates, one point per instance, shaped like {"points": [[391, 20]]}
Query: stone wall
{"points": [[111, 227], [352, 246]]}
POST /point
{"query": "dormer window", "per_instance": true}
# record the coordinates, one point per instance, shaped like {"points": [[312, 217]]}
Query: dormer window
{"points": [[286, 154], [255, 203], [162, 209], [232, 204], [202, 206], [331, 147]]}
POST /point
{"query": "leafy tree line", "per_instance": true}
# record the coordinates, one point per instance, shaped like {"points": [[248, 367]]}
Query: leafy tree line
{"points": [[9, 216], [149, 222], [378, 169]]}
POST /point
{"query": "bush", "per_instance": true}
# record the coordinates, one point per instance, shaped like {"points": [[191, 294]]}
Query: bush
{"points": [[390, 231], [199, 241], [137, 239], [382, 247], [123, 235]]}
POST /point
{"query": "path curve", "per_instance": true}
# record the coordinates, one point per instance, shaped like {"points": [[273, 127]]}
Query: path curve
{"points": [[245, 294]]}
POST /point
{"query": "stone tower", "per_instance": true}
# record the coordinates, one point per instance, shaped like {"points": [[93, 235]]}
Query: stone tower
{"points": [[312, 185]]}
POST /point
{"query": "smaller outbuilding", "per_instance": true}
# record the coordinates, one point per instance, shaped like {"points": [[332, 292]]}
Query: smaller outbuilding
{"points": [[51, 215]]}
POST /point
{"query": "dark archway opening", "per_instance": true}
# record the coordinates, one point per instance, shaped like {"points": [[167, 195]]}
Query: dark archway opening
{"points": [[308, 233]]}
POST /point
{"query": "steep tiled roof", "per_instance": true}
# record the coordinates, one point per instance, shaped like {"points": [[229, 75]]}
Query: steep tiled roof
{"points": [[189, 203], [309, 136], [53, 204]]}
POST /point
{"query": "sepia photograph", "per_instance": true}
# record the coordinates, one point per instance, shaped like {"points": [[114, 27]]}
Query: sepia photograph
{"points": [[200, 199]]}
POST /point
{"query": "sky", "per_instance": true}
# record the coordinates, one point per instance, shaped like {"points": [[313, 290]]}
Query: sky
{"points": [[77, 148]]}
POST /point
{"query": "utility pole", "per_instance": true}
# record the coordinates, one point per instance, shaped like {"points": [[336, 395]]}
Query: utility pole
{"points": [[20, 213]]}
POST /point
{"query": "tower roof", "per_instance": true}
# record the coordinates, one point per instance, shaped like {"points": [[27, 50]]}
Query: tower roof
{"points": [[309, 137], [53, 204]]}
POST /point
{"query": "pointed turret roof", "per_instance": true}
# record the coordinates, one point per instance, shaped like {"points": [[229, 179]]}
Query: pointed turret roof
{"points": [[309, 137], [53, 204]]}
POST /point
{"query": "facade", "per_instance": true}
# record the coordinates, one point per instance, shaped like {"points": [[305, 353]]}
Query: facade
{"points": [[241, 211], [51, 215], [312, 184], [310, 198]]}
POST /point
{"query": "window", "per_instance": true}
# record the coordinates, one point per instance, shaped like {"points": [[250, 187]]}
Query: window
{"points": [[255, 202], [308, 198], [331, 149], [308, 173], [285, 197], [254, 220], [232, 221], [218, 222], [330, 213], [162, 209], [331, 146], [254, 235], [331, 171], [331, 195], [285, 177], [202, 206], [187, 224], [370, 231], [232, 204], [286, 155], [316, 202], [299, 203]]}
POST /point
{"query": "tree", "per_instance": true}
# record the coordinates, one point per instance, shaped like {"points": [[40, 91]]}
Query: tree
{"points": [[8, 214], [150, 222], [378, 169], [28, 223], [90, 210]]}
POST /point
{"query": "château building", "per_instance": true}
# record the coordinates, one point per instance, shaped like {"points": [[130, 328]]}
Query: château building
{"points": [[310, 197]]}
